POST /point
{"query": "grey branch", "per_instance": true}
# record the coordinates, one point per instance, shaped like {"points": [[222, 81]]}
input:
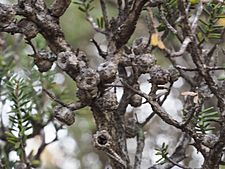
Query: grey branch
{"points": [[59, 7], [197, 16], [139, 149], [183, 48]]}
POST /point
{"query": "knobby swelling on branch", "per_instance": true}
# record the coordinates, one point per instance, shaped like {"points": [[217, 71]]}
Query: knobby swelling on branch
{"points": [[190, 25]]}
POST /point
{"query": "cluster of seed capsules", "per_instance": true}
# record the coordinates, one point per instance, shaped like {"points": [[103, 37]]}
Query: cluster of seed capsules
{"points": [[145, 63], [90, 82]]}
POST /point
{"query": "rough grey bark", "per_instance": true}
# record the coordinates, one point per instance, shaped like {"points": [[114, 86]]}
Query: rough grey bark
{"points": [[94, 86]]}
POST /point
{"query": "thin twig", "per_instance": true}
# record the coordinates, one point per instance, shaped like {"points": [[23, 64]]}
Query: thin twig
{"points": [[94, 25], [167, 94], [153, 113], [139, 149], [116, 157], [156, 107], [105, 14], [120, 9], [189, 119], [113, 85], [72, 106], [43, 146], [176, 164], [54, 98], [183, 48], [100, 51], [29, 42], [197, 16], [209, 68], [148, 119], [151, 26], [169, 26], [77, 105], [126, 6]]}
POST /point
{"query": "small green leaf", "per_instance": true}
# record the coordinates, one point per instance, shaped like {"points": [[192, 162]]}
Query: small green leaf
{"points": [[81, 9], [159, 160], [17, 145], [35, 163], [221, 78], [8, 134]]}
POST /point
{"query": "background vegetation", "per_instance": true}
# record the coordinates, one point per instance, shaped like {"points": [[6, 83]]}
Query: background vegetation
{"points": [[31, 135]]}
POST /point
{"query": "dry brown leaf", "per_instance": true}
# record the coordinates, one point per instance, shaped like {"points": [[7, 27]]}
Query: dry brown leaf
{"points": [[161, 45], [188, 93], [195, 100], [154, 39]]}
